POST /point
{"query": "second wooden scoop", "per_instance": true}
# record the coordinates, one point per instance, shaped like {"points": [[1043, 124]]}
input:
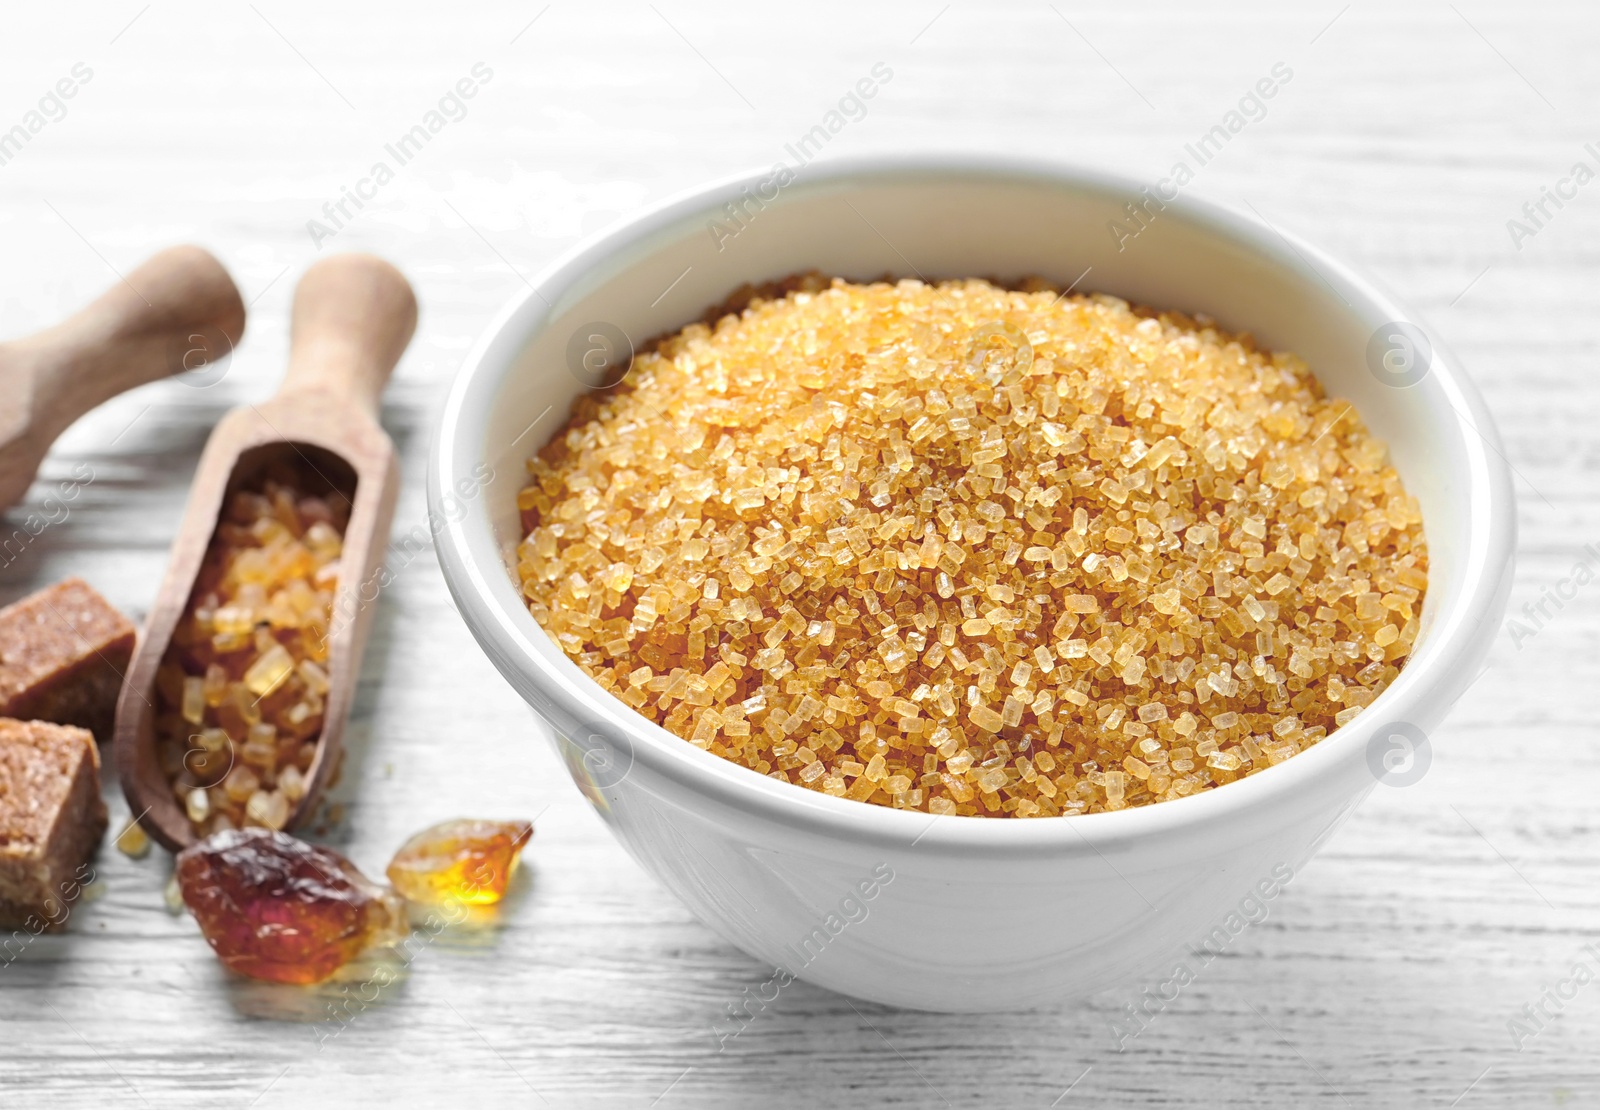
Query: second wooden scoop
{"points": [[176, 312], [353, 317]]}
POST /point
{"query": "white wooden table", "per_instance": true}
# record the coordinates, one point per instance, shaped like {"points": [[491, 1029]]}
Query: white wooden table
{"points": [[1406, 139]]}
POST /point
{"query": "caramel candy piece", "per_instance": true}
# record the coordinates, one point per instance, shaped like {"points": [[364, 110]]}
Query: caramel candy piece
{"points": [[51, 820], [276, 908], [63, 652], [464, 861]]}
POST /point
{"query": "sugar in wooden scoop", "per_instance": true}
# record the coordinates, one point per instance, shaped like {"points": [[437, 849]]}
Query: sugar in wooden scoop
{"points": [[242, 688], [975, 551]]}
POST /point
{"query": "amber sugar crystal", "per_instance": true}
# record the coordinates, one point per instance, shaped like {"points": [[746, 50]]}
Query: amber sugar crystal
{"points": [[468, 861], [276, 908], [976, 551], [240, 692]]}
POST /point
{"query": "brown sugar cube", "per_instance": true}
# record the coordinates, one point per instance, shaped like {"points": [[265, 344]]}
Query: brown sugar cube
{"points": [[51, 820], [63, 652]]}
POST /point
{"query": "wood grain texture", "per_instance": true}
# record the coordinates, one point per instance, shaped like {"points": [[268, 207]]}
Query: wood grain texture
{"points": [[1407, 138]]}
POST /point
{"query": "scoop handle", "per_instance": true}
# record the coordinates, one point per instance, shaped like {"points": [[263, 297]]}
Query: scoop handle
{"points": [[353, 316], [176, 312]]}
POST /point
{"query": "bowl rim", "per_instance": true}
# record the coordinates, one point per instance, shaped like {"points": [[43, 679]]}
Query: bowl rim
{"points": [[1457, 636]]}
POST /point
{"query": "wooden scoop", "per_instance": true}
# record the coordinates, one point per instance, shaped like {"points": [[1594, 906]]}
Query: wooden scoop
{"points": [[353, 316], [176, 312]]}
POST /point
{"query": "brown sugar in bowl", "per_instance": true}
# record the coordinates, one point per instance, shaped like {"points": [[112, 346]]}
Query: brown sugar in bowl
{"points": [[973, 551], [879, 902]]}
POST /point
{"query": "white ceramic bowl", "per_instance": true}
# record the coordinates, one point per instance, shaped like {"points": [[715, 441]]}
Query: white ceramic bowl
{"points": [[963, 913]]}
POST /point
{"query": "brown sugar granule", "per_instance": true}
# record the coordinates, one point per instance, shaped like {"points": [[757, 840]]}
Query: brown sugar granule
{"points": [[51, 820], [975, 551], [240, 693], [63, 652]]}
